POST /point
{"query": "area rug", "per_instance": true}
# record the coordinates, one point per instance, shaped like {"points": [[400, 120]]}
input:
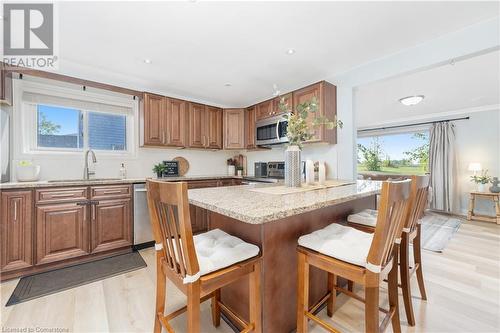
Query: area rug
{"points": [[47, 283], [437, 230]]}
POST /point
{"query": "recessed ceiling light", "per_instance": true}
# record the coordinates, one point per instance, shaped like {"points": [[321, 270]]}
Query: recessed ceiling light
{"points": [[227, 84], [290, 51], [147, 61], [411, 100]]}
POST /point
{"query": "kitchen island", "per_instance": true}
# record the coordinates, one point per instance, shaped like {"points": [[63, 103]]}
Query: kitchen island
{"points": [[275, 222]]}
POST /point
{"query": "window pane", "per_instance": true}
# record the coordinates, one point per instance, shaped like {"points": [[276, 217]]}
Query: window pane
{"points": [[59, 127], [107, 131], [403, 154]]}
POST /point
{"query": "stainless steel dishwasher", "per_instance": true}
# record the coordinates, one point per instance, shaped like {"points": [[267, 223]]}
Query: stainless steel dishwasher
{"points": [[143, 234]]}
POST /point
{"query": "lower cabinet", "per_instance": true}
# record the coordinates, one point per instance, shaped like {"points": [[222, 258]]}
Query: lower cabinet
{"points": [[110, 225], [199, 219], [99, 222], [61, 232], [16, 230]]}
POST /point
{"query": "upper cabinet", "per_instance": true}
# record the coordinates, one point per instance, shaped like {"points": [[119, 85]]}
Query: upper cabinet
{"points": [[176, 121], [326, 94], [264, 109], [214, 130], [250, 128], [154, 120], [170, 122], [234, 128], [197, 126], [5, 86]]}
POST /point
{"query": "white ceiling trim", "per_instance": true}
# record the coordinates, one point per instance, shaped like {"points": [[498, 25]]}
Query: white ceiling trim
{"points": [[433, 117]]}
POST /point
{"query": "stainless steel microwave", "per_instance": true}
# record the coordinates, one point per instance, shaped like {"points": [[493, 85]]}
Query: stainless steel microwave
{"points": [[271, 131]]}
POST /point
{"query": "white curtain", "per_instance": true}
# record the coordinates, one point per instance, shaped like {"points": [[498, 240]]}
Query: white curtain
{"points": [[442, 164]]}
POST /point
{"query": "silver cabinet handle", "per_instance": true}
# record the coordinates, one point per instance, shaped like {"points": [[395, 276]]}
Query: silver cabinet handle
{"points": [[112, 192], [15, 210], [65, 195], [163, 137], [277, 130], [93, 212]]}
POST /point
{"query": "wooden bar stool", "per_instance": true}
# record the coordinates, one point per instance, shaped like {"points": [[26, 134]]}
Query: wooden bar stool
{"points": [[357, 256], [199, 266], [367, 220]]}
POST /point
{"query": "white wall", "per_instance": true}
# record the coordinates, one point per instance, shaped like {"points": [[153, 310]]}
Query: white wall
{"points": [[477, 140]]}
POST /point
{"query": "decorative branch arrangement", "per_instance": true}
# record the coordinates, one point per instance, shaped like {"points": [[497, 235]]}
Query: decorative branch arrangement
{"points": [[298, 130], [483, 178]]}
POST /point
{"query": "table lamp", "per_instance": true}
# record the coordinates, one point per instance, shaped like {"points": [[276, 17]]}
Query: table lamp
{"points": [[475, 167]]}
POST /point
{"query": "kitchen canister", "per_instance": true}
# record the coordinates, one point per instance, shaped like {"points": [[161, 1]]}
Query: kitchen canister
{"points": [[321, 173], [309, 172]]}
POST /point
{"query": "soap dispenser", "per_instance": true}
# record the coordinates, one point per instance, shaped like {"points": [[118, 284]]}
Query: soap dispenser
{"points": [[123, 171]]}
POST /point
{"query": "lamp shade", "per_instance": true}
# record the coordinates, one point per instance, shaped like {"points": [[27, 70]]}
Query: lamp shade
{"points": [[475, 167]]}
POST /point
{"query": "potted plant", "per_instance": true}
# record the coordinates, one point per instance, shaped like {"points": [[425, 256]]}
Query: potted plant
{"points": [[159, 169], [231, 166], [481, 180], [239, 170], [298, 131]]}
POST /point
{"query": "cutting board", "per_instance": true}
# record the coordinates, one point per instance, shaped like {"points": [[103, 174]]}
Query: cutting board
{"points": [[183, 165]]}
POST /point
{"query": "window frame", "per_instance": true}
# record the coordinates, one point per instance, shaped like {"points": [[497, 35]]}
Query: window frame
{"points": [[27, 118], [388, 132]]}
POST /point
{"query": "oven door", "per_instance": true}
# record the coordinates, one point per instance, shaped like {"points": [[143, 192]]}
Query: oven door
{"points": [[271, 131]]}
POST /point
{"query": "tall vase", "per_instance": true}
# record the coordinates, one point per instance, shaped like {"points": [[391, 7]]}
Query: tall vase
{"points": [[292, 166]]}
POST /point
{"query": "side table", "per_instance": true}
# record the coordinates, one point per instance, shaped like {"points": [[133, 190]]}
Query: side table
{"points": [[495, 197]]}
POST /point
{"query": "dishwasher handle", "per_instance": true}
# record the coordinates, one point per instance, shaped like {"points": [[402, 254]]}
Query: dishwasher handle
{"points": [[141, 190]]}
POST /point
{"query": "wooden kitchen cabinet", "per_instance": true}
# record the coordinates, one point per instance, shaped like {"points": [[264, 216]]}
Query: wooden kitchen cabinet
{"points": [[154, 120], [5, 86], [111, 223], [287, 99], [61, 232], [264, 109], [16, 230], [199, 219], [326, 94], [234, 128], [176, 122], [197, 126], [250, 128], [214, 127]]}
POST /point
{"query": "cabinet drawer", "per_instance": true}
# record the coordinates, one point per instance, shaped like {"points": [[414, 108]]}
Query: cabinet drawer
{"points": [[202, 184], [115, 191], [64, 194]]}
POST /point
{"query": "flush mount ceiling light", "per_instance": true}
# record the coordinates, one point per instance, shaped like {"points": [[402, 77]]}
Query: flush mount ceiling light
{"points": [[147, 61], [227, 84], [290, 51], [411, 100]]}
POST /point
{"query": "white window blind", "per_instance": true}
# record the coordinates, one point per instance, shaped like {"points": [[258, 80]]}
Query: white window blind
{"points": [[75, 103]]}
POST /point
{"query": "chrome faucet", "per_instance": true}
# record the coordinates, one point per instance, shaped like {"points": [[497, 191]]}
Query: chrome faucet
{"points": [[86, 172]]}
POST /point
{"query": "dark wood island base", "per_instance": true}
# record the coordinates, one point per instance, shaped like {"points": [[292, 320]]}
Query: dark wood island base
{"points": [[278, 242]]}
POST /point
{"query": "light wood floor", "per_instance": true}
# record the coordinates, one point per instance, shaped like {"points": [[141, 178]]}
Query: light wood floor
{"points": [[463, 287]]}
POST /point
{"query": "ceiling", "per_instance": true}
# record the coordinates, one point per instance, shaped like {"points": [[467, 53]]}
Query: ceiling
{"points": [[198, 47], [469, 83]]}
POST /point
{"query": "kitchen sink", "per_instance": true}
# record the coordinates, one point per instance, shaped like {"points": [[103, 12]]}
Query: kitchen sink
{"points": [[81, 180]]}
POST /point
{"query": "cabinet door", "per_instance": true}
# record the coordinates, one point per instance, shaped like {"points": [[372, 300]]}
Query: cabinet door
{"points": [[61, 232], [16, 227], [287, 100], [5, 86], [250, 128], [154, 120], [214, 130], [111, 225], [304, 95], [176, 122], [199, 219], [234, 128], [197, 126], [264, 109]]}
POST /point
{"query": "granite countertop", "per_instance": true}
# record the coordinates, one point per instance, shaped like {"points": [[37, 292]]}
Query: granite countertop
{"points": [[240, 203], [103, 181]]}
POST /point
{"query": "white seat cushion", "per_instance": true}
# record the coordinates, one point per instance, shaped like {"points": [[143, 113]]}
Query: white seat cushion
{"points": [[366, 217], [217, 249], [340, 242]]}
